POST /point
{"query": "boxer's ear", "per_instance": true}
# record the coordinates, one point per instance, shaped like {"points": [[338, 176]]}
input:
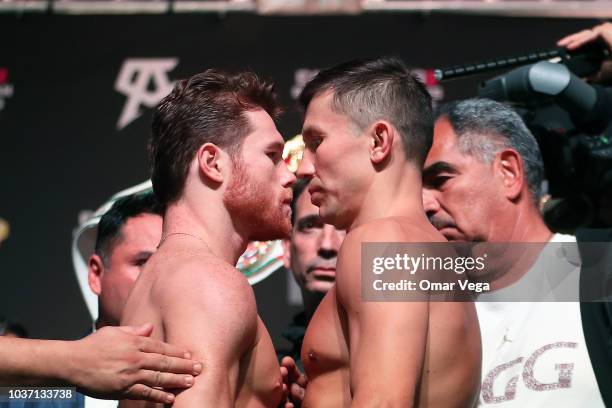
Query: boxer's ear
{"points": [[382, 135], [212, 162], [95, 271], [509, 166]]}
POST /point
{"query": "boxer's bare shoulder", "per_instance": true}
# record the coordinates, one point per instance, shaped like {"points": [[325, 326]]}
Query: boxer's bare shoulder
{"points": [[194, 275], [401, 351], [209, 307]]}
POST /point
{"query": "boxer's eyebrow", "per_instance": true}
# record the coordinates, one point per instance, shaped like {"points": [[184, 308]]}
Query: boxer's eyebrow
{"points": [[278, 145], [311, 131], [439, 167], [144, 254], [142, 257]]}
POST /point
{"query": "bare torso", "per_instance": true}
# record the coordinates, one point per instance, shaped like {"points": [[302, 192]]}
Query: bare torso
{"points": [[450, 373], [259, 383]]}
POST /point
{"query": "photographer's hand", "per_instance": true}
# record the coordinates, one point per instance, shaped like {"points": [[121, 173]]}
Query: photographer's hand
{"points": [[577, 40]]}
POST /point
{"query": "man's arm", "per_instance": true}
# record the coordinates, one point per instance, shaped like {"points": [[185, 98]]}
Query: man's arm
{"points": [[113, 363], [213, 313], [387, 339]]}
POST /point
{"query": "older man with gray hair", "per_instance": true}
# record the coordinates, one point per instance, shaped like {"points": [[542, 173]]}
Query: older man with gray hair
{"points": [[481, 183], [469, 137]]}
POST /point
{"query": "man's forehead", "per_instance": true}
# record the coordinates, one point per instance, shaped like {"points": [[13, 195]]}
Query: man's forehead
{"points": [[444, 146], [319, 113], [140, 223], [264, 129], [140, 232], [321, 101]]}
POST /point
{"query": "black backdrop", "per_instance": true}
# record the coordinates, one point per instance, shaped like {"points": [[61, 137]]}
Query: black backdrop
{"points": [[61, 151]]}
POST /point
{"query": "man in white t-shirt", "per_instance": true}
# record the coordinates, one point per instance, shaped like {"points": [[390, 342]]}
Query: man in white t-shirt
{"points": [[482, 181]]}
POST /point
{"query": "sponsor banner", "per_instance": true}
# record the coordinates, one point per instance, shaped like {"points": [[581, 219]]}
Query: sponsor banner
{"points": [[144, 82]]}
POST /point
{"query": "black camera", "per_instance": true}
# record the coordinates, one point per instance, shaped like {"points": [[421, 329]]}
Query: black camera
{"points": [[569, 117]]}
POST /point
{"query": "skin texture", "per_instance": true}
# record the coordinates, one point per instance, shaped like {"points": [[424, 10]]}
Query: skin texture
{"points": [[190, 288], [469, 200], [112, 283], [113, 363], [392, 354], [453, 182], [312, 252]]}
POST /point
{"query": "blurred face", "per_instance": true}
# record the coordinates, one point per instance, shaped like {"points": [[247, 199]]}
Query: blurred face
{"points": [[313, 248], [336, 160], [460, 194], [259, 193], [113, 282]]}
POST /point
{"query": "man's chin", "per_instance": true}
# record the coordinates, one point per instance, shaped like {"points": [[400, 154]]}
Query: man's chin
{"points": [[453, 235], [331, 217], [320, 286], [281, 231]]}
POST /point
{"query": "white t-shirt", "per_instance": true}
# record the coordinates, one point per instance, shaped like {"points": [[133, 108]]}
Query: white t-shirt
{"points": [[534, 353], [98, 403]]}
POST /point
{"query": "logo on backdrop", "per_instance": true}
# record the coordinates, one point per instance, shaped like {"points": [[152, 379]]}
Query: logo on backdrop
{"points": [[303, 75], [300, 79], [431, 83], [144, 82], [6, 88]]}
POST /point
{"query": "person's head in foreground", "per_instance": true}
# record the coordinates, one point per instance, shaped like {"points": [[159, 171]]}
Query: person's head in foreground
{"points": [[482, 177], [128, 234], [367, 126], [219, 172], [367, 129], [214, 140]]}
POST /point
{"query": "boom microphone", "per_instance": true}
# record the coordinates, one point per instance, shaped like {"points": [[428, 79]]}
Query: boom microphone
{"points": [[582, 62]]}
